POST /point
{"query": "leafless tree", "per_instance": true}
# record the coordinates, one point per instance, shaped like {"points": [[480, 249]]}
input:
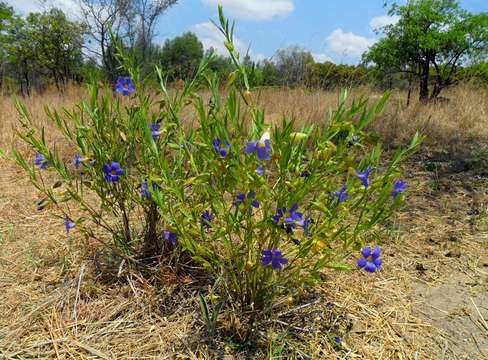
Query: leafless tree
{"points": [[146, 14], [101, 16], [132, 21]]}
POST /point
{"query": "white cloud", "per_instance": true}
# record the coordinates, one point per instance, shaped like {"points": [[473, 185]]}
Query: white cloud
{"points": [[254, 9], [348, 44], [321, 58], [27, 6], [379, 22]]}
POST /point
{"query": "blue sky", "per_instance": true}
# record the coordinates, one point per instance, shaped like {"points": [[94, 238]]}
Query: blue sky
{"points": [[337, 30]]}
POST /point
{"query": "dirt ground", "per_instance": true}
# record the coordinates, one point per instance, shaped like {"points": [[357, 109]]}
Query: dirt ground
{"points": [[430, 302]]}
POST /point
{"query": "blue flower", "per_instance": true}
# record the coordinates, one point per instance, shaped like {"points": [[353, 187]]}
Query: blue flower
{"points": [[251, 197], [341, 194], [260, 170], [68, 224], [364, 176], [125, 85], [261, 147], [207, 218], [113, 172], [338, 339], [291, 219], [41, 161], [370, 260], [398, 187], [221, 147], [280, 212], [170, 237], [305, 174], [145, 193], [77, 161], [155, 130], [273, 257]]}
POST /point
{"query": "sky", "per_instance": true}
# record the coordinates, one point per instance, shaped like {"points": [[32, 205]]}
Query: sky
{"points": [[333, 30]]}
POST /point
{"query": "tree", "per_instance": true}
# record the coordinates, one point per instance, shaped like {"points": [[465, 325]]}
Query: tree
{"points": [[145, 17], [101, 17], [181, 56], [429, 43], [292, 65], [130, 21], [6, 18], [58, 44], [271, 77], [21, 53]]}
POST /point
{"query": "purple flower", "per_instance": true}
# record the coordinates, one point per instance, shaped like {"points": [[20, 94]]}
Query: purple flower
{"points": [[207, 218], [280, 212], [125, 85], [291, 219], [364, 176], [77, 161], [398, 187], [250, 197], [155, 130], [341, 194], [221, 147], [261, 147], [338, 339], [170, 237], [113, 172], [260, 170], [305, 174], [68, 224], [273, 257], [41, 161], [370, 260], [145, 193]]}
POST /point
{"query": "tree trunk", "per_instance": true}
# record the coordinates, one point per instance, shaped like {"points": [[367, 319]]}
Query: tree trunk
{"points": [[409, 95], [26, 78], [436, 92], [424, 81]]}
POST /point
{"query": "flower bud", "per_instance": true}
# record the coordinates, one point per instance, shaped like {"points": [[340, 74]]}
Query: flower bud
{"points": [[229, 46], [247, 96], [232, 78], [249, 266]]}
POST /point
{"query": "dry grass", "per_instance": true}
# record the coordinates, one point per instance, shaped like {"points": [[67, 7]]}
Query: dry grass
{"points": [[450, 126], [52, 304]]}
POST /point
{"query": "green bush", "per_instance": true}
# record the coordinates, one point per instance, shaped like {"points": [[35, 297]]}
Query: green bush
{"points": [[263, 208]]}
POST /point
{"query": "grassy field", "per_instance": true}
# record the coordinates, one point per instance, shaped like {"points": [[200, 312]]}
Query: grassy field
{"points": [[430, 302]]}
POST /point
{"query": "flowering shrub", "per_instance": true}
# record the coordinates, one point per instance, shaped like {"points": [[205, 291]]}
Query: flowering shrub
{"points": [[264, 208], [267, 208], [110, 174]]}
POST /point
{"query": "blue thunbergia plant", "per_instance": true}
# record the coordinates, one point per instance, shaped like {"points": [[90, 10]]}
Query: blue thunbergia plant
{"points": [[265, 209]]}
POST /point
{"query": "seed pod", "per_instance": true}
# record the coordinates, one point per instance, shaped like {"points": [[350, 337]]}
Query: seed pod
{"points": [[247, 96]]}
